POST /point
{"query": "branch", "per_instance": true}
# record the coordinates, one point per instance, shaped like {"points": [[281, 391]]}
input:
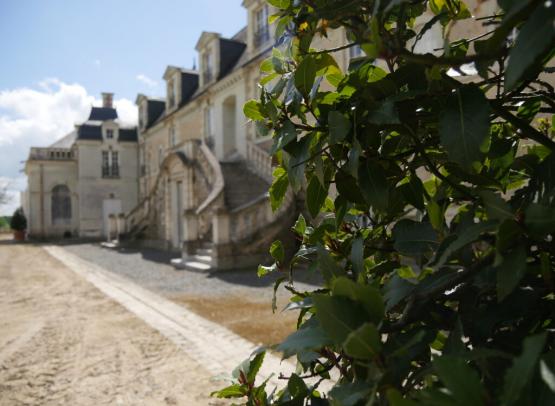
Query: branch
{"points": [[526, 129]]}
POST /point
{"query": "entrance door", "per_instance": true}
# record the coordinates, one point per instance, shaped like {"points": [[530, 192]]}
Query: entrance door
{"points": [[109, 207]]}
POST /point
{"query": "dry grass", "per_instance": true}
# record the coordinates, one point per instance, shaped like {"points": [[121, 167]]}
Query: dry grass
{"points": [[249, 319]]}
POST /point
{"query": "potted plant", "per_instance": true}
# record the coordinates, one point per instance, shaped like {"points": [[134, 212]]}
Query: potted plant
{"points": [[18, 225]]}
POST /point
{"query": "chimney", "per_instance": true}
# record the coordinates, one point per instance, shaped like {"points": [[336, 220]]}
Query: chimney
{"points": [[107, 99]]}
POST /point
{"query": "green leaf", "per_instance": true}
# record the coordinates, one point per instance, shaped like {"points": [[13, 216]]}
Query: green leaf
{"points": [[233, 391], [522, 369], [460, 379], [285, 135], [363, 343], [265, 270], [253, 110], [413, 238], [435, 214], [457, 241], [374, 186], [327, 264], [308, 337], [496, 207], [300, 225], [305, 75], [396, 399], [278, 188], [255, 365], [297, 388], [349, 393], [534, 41], [277, 252], [548, 376], [385, 114], [540, 219], [339, 126], [464, 125], [367, 296], [281, 4], [510, 272], [315, 196], [357, 255], [338, 316]]}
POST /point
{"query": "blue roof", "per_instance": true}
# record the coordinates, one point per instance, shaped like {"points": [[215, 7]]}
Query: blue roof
{"points": [[103, 114]]}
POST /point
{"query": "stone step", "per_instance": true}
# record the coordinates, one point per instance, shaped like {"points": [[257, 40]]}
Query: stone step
{"points": [[190, 265], [207, 259], [205, 251]]}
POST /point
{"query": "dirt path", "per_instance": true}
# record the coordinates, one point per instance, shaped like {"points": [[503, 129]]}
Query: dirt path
{"points": [[64, 342]]}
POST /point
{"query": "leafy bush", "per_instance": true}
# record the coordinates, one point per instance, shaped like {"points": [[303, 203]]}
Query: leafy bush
{"points": [[5, 223], [18, 221], [432, 205]]}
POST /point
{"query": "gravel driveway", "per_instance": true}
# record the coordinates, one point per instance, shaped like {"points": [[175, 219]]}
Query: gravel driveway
{"points": [[150, 269]]}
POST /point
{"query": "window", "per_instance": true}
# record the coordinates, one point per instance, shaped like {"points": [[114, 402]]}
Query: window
{"points": [[61, 205], [261, 29], [160, 155], [110, 134], [110, 164], [207, 67], [355, 51]]}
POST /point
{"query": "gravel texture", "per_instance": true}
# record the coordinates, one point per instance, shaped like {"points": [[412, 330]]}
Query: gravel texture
{"points": [[150, 268]]}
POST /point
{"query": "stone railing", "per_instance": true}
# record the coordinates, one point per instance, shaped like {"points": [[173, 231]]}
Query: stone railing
{"points": [[52, 154], [210, 167], [260, 161]]}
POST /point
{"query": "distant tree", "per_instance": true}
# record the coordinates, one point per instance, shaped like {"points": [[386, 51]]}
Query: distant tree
{"points": [[4, 195], [436, 248]]}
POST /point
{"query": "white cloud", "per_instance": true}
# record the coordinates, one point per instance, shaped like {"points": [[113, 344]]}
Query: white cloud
{"points": [[38, 117], [146, 80], [97, 63]]}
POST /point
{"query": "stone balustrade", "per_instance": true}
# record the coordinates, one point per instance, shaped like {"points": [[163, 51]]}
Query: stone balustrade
{"points": [[260, 161], [51, 154]]}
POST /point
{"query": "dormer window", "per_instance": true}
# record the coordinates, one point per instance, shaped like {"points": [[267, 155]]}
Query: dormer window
{"points": [[261, 29], [110, 134], [207, 67]]}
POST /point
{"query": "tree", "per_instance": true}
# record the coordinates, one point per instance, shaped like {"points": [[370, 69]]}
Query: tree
{"points": [[4, 196], [436, 249]]}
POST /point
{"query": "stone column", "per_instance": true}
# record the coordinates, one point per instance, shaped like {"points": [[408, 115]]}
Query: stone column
{"points": [[221, 227], [190, 232]]}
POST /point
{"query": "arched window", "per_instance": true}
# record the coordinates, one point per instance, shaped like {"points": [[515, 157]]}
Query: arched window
{"points": [[61, 205]]}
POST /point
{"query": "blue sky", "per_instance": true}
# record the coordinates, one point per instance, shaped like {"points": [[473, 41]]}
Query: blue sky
{"points": [[105, 44], [57, 56]]}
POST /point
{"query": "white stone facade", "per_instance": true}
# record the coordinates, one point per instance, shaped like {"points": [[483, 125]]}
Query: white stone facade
{"points": [[77, 186]]}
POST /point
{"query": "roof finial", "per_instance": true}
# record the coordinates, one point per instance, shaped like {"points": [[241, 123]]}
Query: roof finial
{"points": [[194, 63]]}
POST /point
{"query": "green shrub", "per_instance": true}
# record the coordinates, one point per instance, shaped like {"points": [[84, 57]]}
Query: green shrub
{"points": [[437, 249], [18, 221]]}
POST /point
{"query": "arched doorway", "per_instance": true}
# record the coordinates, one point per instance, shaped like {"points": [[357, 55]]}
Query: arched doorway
{"points": [[229, 125], [61, 205]]}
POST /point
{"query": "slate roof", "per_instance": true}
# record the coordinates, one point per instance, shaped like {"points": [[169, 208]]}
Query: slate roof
{"points": [[155, 110], [66, 141], [128, 135], [230, 53], [89, 132], [189, 85], [103, 114]]}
